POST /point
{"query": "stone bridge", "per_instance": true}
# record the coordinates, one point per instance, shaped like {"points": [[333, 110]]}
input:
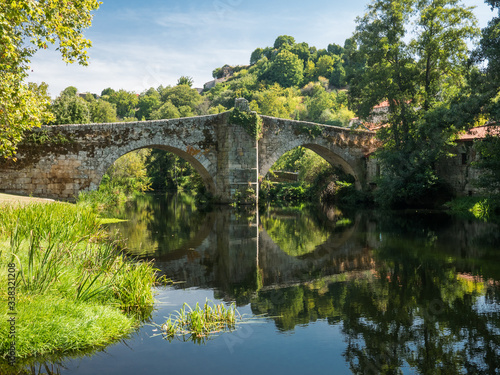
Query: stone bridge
{"points": [[61, 161]]}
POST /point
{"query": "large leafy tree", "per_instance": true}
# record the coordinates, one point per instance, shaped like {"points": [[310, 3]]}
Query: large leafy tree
{"points": [[68, 108], [417, 70], [125, 101], [489, 52], [286, 69], [25, 27], [487, 86]]}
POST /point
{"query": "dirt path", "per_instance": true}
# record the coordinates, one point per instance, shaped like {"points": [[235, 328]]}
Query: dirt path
{"points": [[8, 198]]}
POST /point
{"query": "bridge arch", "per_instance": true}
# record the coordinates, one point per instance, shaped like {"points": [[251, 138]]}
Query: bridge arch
{"points": [[339, 146], [199, 162], [328, 154]]}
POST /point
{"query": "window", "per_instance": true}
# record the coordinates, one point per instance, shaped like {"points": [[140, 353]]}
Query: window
{"points": [[464, 158]]}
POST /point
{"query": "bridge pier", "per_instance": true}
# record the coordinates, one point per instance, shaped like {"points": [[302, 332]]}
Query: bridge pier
{"points": [[237, 177]]}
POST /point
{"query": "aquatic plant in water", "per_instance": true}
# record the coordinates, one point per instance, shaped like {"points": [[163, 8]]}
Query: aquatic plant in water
{"points": [[199, 324]]}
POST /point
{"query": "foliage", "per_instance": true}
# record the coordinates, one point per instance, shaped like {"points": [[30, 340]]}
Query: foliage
{"points": [[286, 69], [68, 108], [149, 101], [489, 164], [181, 95], [168, 171], [25, 27], [185, 80], [200, 323], [284, 192], [276, 101], [166, 111], [486, 84], [479, 207], [246, 197], [68, 276], [100, 110], [129, 173], [250, 121], [42, 137], [417, 74], [125, 102]]}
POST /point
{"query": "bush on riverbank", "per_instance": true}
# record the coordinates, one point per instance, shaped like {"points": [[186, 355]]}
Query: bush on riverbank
{"points": [[478, 206], [72, 285]]}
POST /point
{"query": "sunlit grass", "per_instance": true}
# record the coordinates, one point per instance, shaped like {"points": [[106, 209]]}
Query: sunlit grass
{"points": [[73, 285]]}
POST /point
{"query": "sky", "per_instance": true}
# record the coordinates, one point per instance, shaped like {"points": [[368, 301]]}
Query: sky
{"points": [[148, 43]]}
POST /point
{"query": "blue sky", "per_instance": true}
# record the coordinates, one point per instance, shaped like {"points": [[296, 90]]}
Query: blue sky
{"points": [[142, 44]]}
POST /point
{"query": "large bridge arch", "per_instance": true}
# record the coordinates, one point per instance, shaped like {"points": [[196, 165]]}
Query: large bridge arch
{"points": [[198, 161]]}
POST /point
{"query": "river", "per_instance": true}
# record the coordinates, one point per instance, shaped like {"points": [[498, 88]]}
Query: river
{"points": [[323, 291]]}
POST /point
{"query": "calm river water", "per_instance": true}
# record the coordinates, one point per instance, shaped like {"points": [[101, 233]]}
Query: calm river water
{"points": [[331, 292]]}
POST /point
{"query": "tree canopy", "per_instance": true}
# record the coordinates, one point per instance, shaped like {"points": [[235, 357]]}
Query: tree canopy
{"points": [[417, 71], [25, 27]]}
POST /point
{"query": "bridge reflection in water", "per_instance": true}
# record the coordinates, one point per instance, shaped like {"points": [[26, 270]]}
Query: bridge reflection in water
{"points": [[416, 291]]}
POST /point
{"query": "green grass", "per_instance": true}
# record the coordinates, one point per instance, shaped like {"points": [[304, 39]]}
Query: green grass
{"points": [[74, 288], [199, 323]]}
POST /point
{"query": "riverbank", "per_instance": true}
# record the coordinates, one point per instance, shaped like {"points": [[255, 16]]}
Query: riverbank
{"points": [[68, 288]]}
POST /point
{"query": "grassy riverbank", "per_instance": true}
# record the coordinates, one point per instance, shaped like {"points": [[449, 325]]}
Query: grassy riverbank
{"points": [[73, 289]]}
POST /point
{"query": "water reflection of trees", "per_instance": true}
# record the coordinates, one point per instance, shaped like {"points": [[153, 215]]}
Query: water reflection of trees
{"points": [[157, 224], [417, 308]]}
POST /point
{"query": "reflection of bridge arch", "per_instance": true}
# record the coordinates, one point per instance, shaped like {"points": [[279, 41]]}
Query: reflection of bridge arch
{"points": [[231, 255], [340, 253]]}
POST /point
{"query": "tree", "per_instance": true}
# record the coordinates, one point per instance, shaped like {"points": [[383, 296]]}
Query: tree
{"points": [[125, 101], [181, 95], [256, 55], [487, 83], [25, 27], [149, 101], [101, 111], [417, 73], [286, 69], [166, 111], [185, 80], [487, 99], [284, 40], [276, 102], [68, 108]]}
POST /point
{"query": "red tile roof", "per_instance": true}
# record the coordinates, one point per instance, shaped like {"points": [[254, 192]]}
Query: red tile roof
{"points": [[384, 104], [481, 132]]}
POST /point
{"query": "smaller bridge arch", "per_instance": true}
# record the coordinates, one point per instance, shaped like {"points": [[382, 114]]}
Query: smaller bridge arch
{"points": [[339, 146]]}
